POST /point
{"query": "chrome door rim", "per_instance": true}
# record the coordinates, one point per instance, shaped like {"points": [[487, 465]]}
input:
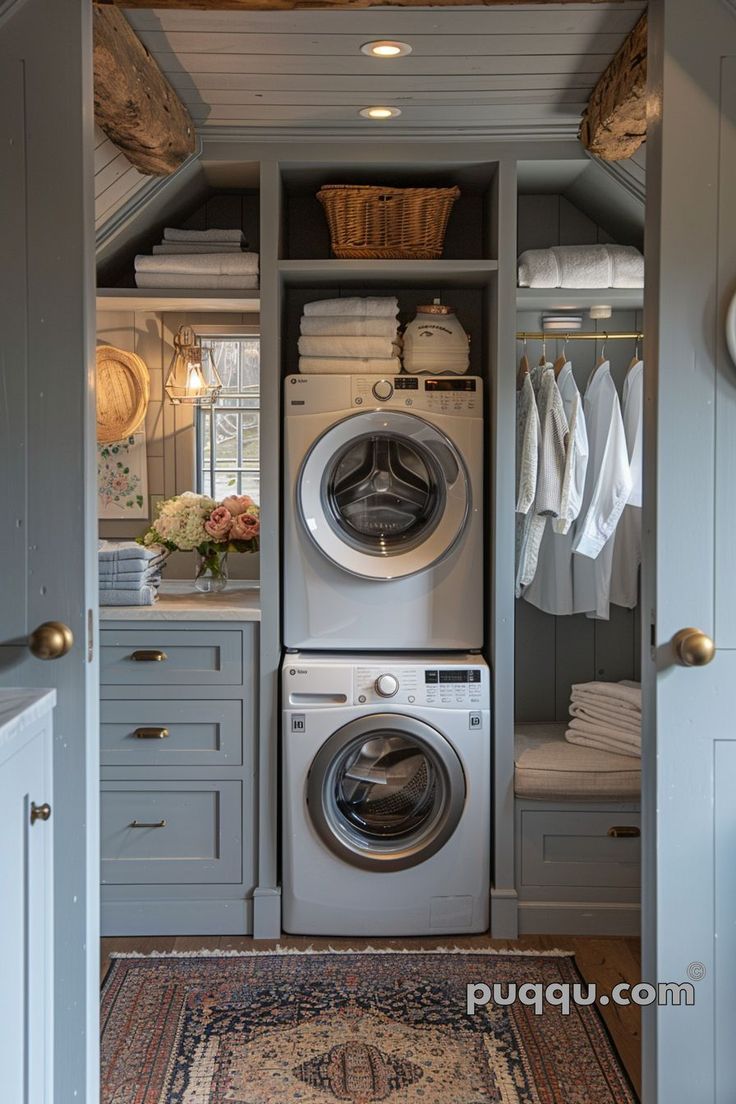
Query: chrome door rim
{"points": [[316, 517], [334, 829]]}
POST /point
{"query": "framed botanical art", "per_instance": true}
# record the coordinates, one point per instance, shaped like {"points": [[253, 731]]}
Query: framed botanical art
{"points": [[122, 479]]}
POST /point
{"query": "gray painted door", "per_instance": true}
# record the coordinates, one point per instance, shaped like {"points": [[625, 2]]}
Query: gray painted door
{"points": [[690, 770], [47, 550]]}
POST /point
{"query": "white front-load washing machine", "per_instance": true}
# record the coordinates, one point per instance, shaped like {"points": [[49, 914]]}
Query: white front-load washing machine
{"points": [[383, 513], [386, 795]]}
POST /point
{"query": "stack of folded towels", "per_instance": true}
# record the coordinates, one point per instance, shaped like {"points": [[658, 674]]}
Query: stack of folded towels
{"points": [[356, 336], [607, 716], [198, 259], [130, 573]]}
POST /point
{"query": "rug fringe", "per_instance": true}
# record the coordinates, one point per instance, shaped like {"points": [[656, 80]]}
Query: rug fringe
{"points": [[279, 950]]}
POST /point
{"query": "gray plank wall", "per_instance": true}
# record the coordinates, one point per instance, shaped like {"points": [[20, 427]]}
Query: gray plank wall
{"points": [[116, 181], [554, 652], [170, 435]]}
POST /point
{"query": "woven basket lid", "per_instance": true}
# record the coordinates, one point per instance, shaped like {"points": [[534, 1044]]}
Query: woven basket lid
{"points": [[123, 386]]}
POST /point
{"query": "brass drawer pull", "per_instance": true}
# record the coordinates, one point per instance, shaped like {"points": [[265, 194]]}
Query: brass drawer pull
{"points": [[151, 733], [149, 655], [40, 812], [624, 831], [143, 824]]}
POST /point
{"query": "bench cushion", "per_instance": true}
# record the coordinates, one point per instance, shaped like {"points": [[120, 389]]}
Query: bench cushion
{"points": [[547, 767]]}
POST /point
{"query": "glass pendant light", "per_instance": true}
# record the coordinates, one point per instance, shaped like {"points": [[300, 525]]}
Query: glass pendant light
{"points": [[192, 377]]}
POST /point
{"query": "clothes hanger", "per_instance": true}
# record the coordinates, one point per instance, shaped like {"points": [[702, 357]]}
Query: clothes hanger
{"points": [[523, 367], [635, 359], [602, 357], [543, 357], [561, 360]]}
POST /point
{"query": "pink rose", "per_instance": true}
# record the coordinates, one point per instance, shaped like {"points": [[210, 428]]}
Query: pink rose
{"points": [[237, 504], [218, 524], [245, 527]]}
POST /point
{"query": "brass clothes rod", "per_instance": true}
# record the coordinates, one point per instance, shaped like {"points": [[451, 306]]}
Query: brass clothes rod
{"points": [[557, 335]]}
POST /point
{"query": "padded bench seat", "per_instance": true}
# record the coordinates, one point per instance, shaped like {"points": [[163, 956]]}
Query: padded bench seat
{"points": [[549, 768]]}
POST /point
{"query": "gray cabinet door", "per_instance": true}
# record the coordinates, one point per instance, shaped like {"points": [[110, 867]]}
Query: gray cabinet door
{"points": [[689, 767]]}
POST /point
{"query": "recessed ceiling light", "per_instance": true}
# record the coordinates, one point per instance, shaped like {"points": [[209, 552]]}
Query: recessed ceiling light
{"points": [[386, 48], [380, 112]]}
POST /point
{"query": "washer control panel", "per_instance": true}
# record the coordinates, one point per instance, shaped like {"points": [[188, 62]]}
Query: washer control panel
{"points": [[457, 395], [445, 682]]}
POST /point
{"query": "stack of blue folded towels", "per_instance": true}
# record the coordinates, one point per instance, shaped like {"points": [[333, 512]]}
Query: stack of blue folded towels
{"points": [[130, 573]]}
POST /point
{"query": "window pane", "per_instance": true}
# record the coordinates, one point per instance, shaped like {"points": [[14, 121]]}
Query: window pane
{"points": [[236, 418]]}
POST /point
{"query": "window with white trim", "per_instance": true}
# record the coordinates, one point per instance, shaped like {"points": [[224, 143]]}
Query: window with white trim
{"points": [[227, 448]]}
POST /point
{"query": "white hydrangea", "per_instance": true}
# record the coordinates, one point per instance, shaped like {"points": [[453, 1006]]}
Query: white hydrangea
{"points": [[181, 520]]}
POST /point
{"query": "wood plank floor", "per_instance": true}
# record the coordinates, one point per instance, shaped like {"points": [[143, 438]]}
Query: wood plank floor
{"points": [[603, 961]]}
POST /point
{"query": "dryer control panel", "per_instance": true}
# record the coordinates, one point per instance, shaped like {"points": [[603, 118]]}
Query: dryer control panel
{"points": [[456, 683]]}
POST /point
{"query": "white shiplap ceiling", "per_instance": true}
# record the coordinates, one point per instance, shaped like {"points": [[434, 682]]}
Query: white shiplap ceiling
{"points": [[511, 69]]}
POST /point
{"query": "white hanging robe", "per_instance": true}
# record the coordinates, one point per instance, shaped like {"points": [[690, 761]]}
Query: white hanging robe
{"points": [[627, 545], [551, 589], [552, 436], [607, 489]]}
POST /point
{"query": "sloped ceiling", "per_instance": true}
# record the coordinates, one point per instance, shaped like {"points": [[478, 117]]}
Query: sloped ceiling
{"points": [[472, 71]]}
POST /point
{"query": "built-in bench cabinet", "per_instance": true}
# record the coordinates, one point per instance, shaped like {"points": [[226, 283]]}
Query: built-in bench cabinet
{"points": [[178, 749]]}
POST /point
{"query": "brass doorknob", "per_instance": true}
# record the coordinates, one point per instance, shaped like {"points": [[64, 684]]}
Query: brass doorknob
{"points": [[693, 648], [51, 640], [40, 812]]}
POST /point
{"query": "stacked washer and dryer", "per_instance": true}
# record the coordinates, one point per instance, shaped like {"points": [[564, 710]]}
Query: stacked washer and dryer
{"points": [[386, 749]]}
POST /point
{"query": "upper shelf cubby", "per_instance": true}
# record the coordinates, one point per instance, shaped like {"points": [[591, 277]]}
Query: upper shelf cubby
{"points": [[305, 234]]}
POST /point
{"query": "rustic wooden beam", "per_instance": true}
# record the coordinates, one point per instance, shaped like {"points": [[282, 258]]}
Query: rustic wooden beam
{"points": [[134, 103], [614, 124], [334, 5]]}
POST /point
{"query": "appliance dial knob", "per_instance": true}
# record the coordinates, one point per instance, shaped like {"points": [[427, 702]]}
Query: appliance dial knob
{"points": [[387, 685], [383, 389]]}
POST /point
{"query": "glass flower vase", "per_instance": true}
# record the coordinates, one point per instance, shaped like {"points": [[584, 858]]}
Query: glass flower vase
{"points": [[210, 571]]}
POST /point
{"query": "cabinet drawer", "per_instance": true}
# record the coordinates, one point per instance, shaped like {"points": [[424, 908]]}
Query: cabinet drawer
{"points": [[575, 849], [153, 733], [187, 658], [200, 840]]}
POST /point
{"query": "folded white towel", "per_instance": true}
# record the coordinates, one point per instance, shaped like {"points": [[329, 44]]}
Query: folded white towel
{"points": [[360, 308], [348, 346], [203, 282], [346, 326], [352, 366], [146, 596], [582, 266], [626, 693], [210, 264], [605, 731], [603, 743], [110, 550], [625, 719], [171, 248], [172, 234]]}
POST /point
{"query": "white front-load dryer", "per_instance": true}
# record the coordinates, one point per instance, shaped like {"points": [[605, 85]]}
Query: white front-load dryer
{"points": [[383, 513], [386, 795]]}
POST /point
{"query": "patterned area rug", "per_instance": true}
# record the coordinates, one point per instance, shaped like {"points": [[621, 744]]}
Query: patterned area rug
{"points": [[291, 1028]]}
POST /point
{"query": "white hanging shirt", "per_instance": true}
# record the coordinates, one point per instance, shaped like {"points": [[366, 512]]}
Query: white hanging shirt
{"points": [[548, 502], [627, 546], [607, 489], [528, 526], [551, 588]]}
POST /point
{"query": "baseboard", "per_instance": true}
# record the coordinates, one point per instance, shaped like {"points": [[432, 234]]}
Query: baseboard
{"points": [[578, 918], [504, 914], [267, 912], [176, 917]]}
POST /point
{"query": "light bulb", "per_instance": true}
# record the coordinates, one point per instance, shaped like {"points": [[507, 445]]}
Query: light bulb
{"points": [[386, 48], [380, 112]]}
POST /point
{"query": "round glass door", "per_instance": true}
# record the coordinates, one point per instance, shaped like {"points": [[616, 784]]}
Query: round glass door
{"points": [[386, 792], [384, 494]]}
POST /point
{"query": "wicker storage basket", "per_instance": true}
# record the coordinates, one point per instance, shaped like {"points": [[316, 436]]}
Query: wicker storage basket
{"points": [[122, 393], [372, 222]]}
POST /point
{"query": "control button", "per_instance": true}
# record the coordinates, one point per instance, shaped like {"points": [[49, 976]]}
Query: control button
{"points": [[387, 685], [358, 401], [411, 699], [362, 699], [383, 389]]}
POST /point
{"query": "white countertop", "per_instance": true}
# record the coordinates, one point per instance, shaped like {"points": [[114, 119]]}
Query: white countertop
{"points": [[179, 601], [20, 708]]}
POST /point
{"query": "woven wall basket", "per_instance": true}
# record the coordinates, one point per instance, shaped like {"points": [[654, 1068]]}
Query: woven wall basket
{"points": [[123, 387]]}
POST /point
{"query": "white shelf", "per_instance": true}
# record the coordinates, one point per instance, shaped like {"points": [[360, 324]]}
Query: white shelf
{"points": [[572, 298], [399, 273], [154, 299]]}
